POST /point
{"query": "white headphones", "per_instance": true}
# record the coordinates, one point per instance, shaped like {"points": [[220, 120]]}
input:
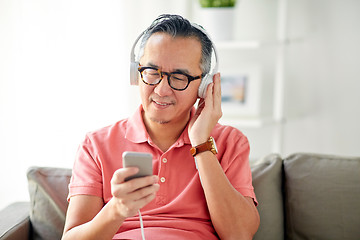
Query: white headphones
{"points": [[205, 81]]}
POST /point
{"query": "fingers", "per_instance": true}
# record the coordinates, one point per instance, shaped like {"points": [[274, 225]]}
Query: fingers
{"points": [[214, 88], [217, 86], [200, 107], [133, 194], [209, 93], [121, 188], [217, 95], [142, 195], [122, 173], [129, 206], [213, 96]]}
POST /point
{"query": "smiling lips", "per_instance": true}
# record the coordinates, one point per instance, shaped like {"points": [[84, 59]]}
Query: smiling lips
{"points": [[162, 104]]}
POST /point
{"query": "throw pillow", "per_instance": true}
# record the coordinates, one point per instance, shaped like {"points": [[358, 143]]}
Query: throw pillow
{"points": [[267, 182], [48, 188]]}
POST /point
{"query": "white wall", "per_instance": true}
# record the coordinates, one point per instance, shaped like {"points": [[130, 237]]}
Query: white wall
{"points": [[61, 65], [321, 74], [323, 78], [64, 71]]}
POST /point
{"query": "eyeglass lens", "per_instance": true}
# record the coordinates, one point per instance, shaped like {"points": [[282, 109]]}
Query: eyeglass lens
{"points": [[177, 81]]}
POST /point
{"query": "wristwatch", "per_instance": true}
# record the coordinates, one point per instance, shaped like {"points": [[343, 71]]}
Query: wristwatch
{"points": [[209, 145]]}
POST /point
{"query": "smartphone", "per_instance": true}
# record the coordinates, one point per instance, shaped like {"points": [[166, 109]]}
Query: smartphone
{"points": [[143, 161]]}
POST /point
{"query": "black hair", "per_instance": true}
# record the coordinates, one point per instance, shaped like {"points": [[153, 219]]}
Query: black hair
{"points": [[177, 26]]}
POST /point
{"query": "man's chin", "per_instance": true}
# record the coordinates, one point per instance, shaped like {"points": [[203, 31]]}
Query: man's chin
{"points": [[159, 121]]}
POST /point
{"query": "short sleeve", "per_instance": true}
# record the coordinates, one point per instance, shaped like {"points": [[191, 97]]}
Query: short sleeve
{"points": [[236, 165], [87, 173]]}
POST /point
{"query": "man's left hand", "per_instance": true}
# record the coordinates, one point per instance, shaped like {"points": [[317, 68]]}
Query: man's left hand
{"points": [[207, 113]]}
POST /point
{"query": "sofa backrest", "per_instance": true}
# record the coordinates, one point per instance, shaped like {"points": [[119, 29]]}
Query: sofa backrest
{"points": [[322, 195], [305, 196]]}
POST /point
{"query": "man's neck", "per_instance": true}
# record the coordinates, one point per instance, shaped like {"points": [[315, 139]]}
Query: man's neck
{"points": [[164, 135]]}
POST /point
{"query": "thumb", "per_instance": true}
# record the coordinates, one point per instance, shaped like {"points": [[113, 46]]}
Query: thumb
{"points": [[122, 173]]}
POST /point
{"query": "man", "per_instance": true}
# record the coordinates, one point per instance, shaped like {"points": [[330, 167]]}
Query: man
{"points": [[211, 199]]}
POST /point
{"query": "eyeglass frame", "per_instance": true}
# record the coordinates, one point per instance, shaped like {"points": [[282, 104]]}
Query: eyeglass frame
{"points": [[189, 77]]}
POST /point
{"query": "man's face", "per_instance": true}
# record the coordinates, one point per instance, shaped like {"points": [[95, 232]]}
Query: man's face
{"points": [[161, 103]]}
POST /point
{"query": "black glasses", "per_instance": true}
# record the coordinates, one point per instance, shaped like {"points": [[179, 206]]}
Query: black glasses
{"points": [[177, 80]]}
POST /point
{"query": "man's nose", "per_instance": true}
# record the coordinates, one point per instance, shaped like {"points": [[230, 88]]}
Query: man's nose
{"points": [[163, 88]]}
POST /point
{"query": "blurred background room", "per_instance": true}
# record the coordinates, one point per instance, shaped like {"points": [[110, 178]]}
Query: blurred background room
{"points": [[290, 73]]}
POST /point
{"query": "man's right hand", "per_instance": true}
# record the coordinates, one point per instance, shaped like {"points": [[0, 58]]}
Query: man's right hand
{"points": [[88, 218], [132, 195]]}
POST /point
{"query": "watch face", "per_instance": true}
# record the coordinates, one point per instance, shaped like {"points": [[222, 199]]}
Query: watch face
{"points": [[214, 147], [193, 151]]}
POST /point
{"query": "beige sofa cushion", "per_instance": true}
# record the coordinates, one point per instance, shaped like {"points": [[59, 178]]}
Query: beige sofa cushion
{"points": [[48, 188], [322, 197], [267, 178]]}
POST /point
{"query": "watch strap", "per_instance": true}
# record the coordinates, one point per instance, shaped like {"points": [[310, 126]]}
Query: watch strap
{"points": [[206, 146]]}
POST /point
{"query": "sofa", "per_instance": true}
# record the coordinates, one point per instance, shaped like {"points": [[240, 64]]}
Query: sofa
{"points": [[302, 196]]}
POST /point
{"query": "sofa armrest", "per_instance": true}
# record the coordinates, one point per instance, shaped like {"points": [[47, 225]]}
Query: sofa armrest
{"points": [[15, 221]]}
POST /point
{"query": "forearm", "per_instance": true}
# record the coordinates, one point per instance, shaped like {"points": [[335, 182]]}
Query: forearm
{"points": [[232, 215], [103, 226]]}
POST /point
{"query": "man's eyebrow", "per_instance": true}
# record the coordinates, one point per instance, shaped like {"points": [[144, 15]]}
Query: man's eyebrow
{"points": [[152, 65], [175, 70], [182, 71]]}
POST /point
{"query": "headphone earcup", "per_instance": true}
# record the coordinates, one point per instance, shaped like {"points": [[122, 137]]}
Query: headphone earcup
{"points": [[134, 74], [203, 85]]}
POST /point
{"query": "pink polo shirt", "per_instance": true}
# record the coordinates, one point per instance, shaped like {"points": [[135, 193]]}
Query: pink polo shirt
{"points": [[179, 210]]}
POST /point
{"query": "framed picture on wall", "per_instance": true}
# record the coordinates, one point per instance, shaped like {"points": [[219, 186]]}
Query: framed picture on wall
{"points": [[241, 92]]}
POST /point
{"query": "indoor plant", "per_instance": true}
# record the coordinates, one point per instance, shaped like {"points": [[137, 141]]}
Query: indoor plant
{"points": [[217, 3], [218, 18]]}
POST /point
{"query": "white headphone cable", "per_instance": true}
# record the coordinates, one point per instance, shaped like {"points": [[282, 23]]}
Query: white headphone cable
{"points": [[142, 226]]}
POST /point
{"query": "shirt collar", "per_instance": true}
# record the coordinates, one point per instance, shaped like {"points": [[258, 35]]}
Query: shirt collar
{"points": [[136, 130]]}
